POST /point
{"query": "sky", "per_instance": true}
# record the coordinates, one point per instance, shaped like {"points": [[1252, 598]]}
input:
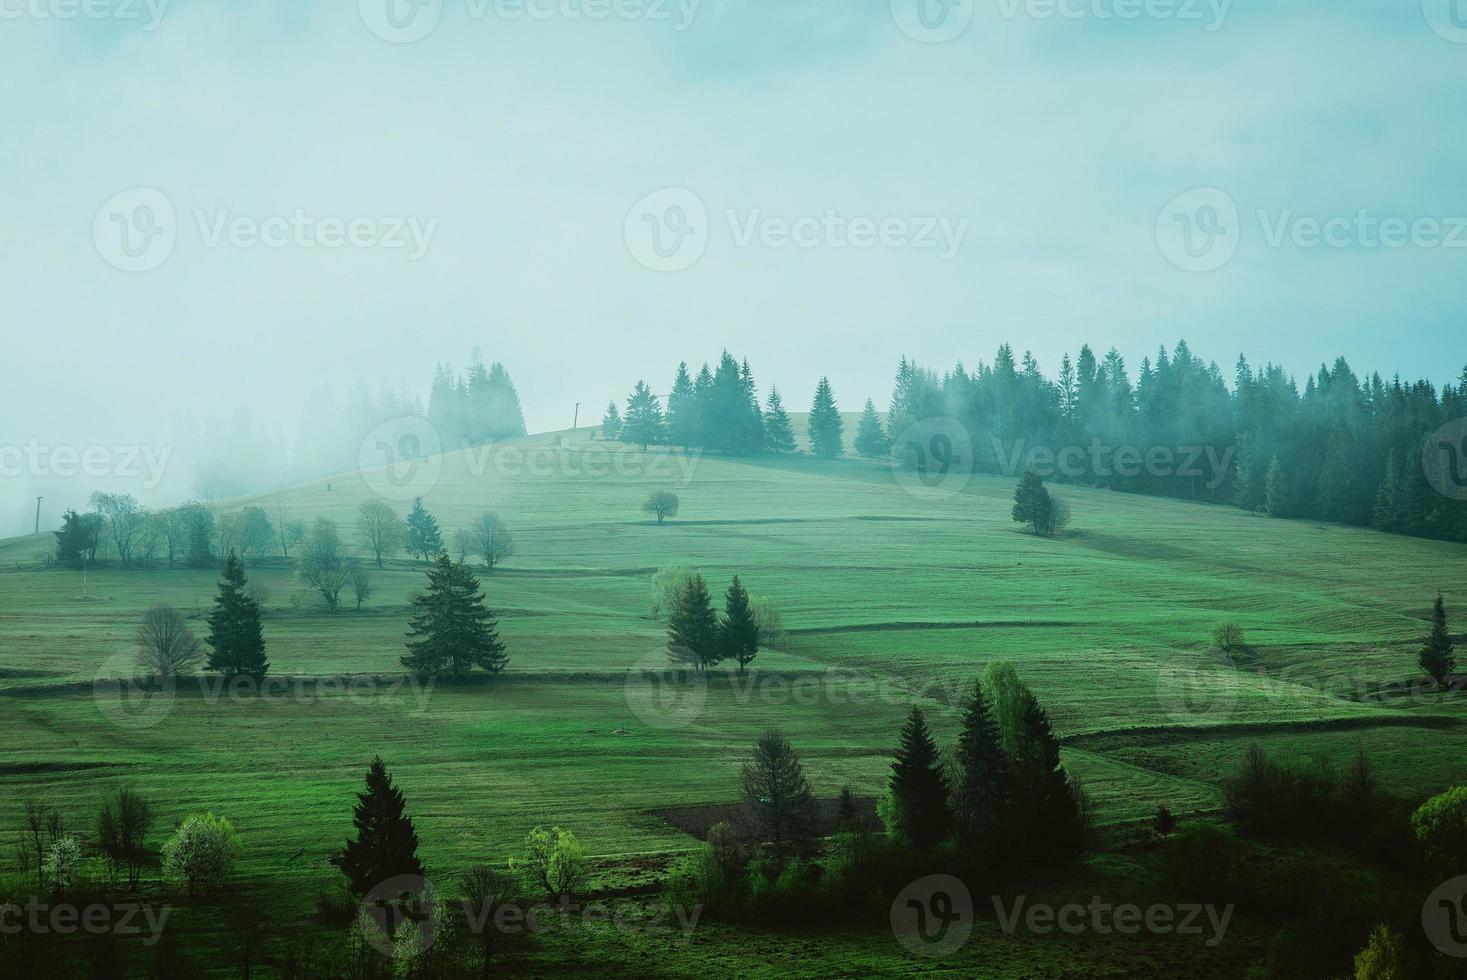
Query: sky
{"points": [[221, 203]]}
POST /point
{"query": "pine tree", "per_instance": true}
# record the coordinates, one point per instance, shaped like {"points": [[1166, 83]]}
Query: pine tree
{"points": [[779, 435], [611, 423], [1436, 656], [76, 542], [1046, 807], [692, 626], [452, 630], [386, 845], [902, 411], [825, 423], [643, 424], [871, 437], [1033, 505], [236, 641], [1275, 489], [918, 788], [753, 435], [779, 807], [424, 538], [740, 629], [983, 797], [682, 410]]}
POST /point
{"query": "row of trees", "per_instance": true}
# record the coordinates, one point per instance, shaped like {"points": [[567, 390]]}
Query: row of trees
{"points": [[477, 408], [719, 411], [698, 638], [1341, 448]]}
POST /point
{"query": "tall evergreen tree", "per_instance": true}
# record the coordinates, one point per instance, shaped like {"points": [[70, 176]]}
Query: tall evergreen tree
{"points": [[236, 641], [779, 807], [1276, 489], [611, 423], [682, 410], [753, 436], [779, 435], [452, 629], [825, 424], [76, 542], [386, 845], [918, 787], [983, 797], [692, 626], [871, 438], [740, 628], [643, 424], [1436, 656], [424, 538]]}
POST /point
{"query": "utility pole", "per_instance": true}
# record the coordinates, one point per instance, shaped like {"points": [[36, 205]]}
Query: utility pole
{"points": [[38, 514], [577, 419]]}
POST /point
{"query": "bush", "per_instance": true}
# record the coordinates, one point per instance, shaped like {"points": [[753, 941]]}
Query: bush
{"points": [[714, 877], [1384, 957], [63, 863], [1201, 864], [1440, 824], [201, 853], [1228, 637]]}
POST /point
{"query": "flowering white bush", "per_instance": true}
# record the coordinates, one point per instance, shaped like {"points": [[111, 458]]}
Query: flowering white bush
{"points": [[201, 853], [63, 863]]}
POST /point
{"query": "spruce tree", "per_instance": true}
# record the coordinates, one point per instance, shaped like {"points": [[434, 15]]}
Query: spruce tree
{"points": [[825, 424], [643, 424], [1275, 489], [871, 438], [386, 846], [1033, 506], [779, 807], [919, 803], [983, 797], [692, 627], [424, 538], [682, 410], [611, 423], [1436, 656], [740, 629], [236, 642], [779, 435], [452, 630]]}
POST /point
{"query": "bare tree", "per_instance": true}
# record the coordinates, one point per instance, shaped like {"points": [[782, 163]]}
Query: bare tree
{"points": [[381, 529], [166, 646], [361, 584], [486, 894], [323, 563], [122, 826], [463, 543], [492, 539], [661, 505], [124, 519]]}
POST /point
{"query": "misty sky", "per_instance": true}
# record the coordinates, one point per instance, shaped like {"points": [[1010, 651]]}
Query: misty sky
{"points": [[1021, 175]]}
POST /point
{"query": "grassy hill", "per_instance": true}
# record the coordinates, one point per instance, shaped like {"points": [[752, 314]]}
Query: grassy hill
{"points": [[893, 595]]}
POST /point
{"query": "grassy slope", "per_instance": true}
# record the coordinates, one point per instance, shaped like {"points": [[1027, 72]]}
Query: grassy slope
{"points": [[1110, 624]]}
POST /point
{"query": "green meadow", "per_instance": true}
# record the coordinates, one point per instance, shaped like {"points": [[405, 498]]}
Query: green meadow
{"points": [[892, 594]]}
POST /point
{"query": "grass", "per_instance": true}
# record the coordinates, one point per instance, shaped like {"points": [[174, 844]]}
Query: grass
{"points": [[892, 597]]}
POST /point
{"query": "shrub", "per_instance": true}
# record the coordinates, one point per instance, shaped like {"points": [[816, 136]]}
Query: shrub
{"points": [[1228, 637], [1440, 824], [1384, 957], [201, 853], [63, 863]]}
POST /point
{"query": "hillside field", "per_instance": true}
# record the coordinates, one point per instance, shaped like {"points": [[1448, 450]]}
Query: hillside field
{"points": [[892, 594]]}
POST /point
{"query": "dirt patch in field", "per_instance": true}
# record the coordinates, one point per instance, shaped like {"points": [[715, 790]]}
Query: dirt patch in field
{"points": [[696, 819]]}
